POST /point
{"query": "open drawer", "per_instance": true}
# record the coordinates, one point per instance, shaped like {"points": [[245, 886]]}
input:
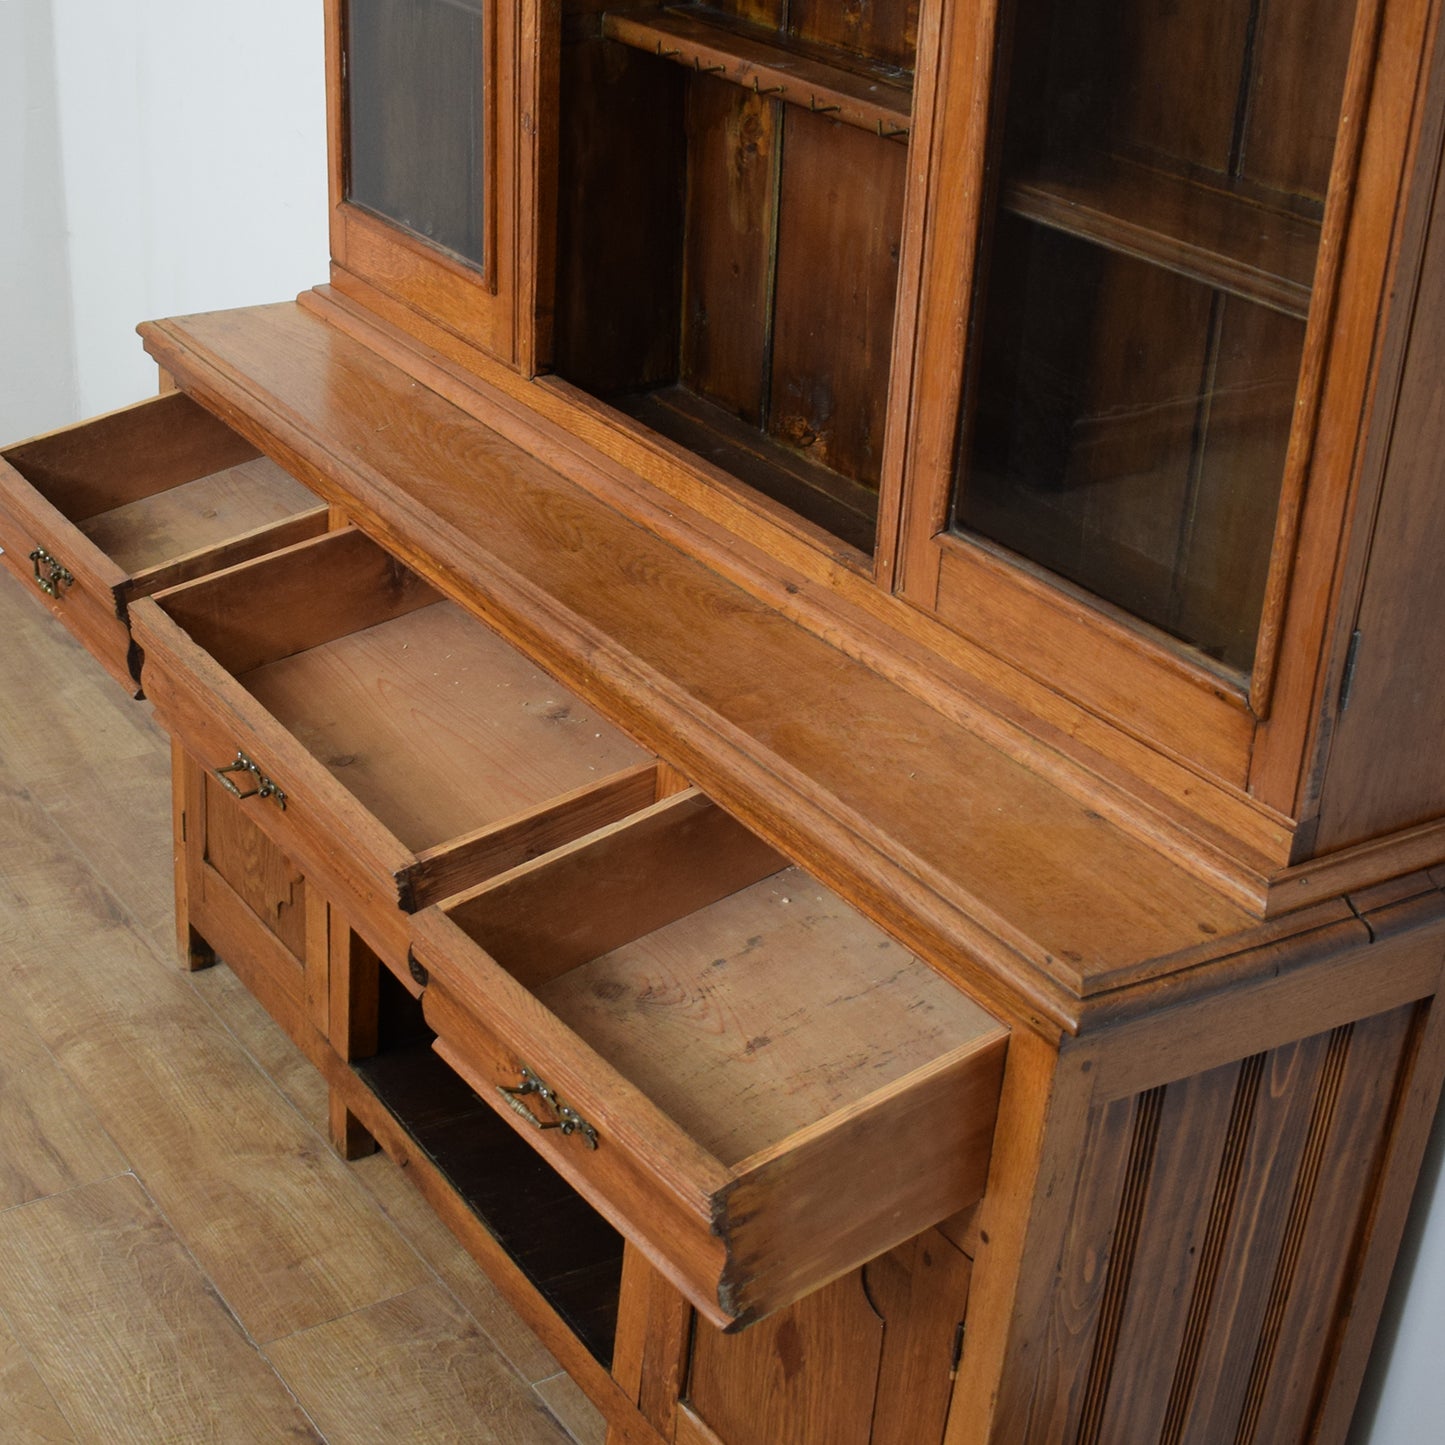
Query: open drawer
{"points": [[99, 514], [392, 746], [757, 1086]]}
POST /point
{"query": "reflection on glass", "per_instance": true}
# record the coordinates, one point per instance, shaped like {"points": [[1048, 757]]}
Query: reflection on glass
{"points": [[1145, 280], [415, 110]]}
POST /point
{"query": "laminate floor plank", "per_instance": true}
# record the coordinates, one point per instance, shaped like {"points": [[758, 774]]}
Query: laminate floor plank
{"points": [[565, 1398], [364, 1378], [235, 1218], [50, 1138], [236, 1008], [439, 1247], [279, 1223], [122, 1328], [28, 1412]]}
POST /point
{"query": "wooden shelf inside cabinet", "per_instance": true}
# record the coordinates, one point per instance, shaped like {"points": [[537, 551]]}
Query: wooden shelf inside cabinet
{"points": [[871, 97], [571, 1255], [1231, 239], [844, 508]]}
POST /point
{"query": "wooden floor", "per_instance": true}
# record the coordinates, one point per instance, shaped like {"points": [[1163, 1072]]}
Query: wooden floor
{"points": [[182, 1256]]}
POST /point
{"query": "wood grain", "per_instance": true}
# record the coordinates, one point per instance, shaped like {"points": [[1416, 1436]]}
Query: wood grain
{"points": [[370, 1376], [102, 1293], [50, 1141], [758, 704]]}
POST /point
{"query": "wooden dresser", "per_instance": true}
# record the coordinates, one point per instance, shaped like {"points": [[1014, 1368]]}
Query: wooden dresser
{"points": [[813, 682]]}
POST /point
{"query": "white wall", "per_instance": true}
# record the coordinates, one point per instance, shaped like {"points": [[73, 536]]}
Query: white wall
{"points": [[160, 157], [165, 156]]}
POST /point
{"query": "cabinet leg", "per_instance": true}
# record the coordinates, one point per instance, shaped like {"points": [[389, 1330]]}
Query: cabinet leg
{"points": [[349, 1136], [196, 953]]}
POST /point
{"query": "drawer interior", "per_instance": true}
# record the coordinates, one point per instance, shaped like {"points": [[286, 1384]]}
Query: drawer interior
{"points": [[433, 723], [743, 998], [160, 481], [436, 725]]}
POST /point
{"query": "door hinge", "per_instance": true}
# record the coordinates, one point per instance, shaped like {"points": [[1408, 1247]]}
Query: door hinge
{"points": [[958, 1335], [1347, 680]]}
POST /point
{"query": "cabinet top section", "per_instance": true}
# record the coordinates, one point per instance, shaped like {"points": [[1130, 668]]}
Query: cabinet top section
{"points": [[1044, 907]]}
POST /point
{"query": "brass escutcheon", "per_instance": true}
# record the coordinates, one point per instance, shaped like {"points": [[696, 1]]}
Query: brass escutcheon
{"points": [[568, 1120], [57, 575]]}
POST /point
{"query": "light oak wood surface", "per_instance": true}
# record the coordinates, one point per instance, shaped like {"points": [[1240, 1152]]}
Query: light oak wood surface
{"points": [[177, 1242]]}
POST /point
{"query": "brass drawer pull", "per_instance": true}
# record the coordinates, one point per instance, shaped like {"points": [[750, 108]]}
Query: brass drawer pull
{"points": [[568, 1120], [264, 788], [56, 576]]}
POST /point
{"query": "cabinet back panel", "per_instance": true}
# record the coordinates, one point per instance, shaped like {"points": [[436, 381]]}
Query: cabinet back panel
{"points": [[621, 167], [839, 233], [734, 148], [886, 30]]}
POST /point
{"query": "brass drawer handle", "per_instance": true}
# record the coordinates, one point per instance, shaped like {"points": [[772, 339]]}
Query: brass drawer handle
{"points": [[264, 788], [568, 1120], [56, 576]]}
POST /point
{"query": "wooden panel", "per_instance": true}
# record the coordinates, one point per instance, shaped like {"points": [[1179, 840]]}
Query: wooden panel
{"points": [[128, 454], [1294, 109], [676, 857], [622, 153], [733, 153], [654, 1335], [830, 402], [197, 515], [810, 1372], [885, 30], [269, 883], [1384, 770], [921, 1291], [295, 599], [868, 1358], [1205, 1264], [1110, 1145]]}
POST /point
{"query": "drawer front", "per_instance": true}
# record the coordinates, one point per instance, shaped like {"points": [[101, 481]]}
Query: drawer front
{"points": [[620, 1004], [285, 792], [96, 514], [598, 1140], [395, 749], [66, 573]]}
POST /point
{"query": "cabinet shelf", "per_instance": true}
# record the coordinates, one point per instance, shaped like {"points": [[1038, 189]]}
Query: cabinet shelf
{"points": [[1229, 239], [571, 1255], [871, 97], [846, 509]]}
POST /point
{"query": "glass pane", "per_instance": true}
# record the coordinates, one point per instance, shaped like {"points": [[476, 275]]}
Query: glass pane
{"points": [[415, 100], [1145, 280]]}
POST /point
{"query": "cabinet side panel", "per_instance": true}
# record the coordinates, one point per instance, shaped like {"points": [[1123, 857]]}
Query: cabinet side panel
{"points": [[1386, 769], [1204, 1283]]}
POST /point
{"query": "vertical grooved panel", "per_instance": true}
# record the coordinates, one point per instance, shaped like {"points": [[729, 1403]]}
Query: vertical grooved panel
{"points": [[1326, 1099], [1116, 1288], [1192, 1147], [1221, 1218]]}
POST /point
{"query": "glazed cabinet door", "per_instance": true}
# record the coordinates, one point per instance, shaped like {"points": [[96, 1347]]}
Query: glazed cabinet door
{"points": [[1129, 312], [430, 139]]}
